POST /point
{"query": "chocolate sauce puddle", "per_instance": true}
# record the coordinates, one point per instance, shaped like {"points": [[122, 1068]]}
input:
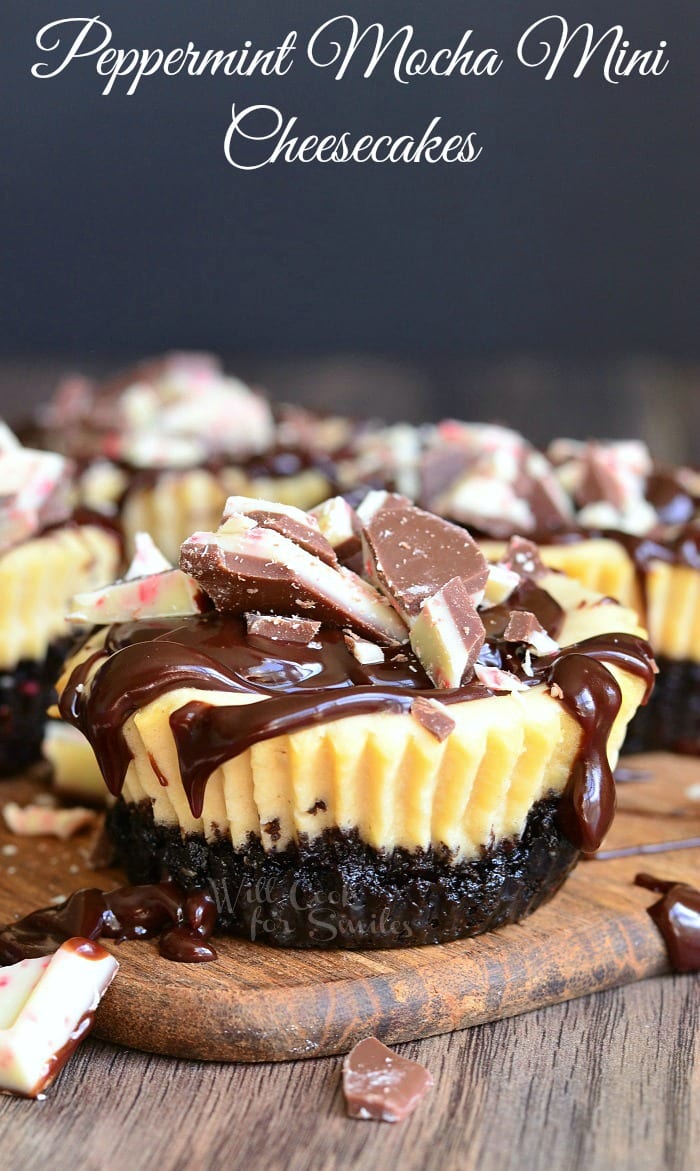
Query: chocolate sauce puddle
{"points": [[299, 686], [677, 916], [183, 920]]}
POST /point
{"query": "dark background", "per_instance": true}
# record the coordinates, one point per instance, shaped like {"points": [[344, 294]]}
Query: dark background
{"points": [[554, 283]]}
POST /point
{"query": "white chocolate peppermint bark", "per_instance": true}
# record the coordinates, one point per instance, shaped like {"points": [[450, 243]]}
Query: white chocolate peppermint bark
{"points": [[340, 526], [167, 594], [448, 634], [259, 569], [300, 527], [43, 821], [147, 558], [35, 490], [47, 1006]]}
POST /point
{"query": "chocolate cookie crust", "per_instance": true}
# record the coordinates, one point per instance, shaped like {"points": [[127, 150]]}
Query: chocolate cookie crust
{"points": [[336, 891], [671, 720], [26, 691]]}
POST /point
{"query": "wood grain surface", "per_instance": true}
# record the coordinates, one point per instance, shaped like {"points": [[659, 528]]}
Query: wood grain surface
{"points": [[603, 1083], [609, 1082], [260, 1004]]}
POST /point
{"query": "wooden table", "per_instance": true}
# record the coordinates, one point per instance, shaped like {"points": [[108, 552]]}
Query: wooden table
{"points": [[605, 1082]]}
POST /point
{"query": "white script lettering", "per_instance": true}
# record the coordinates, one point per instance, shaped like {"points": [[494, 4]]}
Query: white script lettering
{"points": [[408, 62], [619, 60], [280, 141]]}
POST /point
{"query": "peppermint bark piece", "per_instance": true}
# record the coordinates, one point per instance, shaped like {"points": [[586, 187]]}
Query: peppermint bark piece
{"points": [[39, 821], [298, 526], [297, 630], [448, 634], [379, 1084], [47, 1006], [433, 716], [259, 569], [160, 595], [147, 559], [523, 626], [341, 527], [523, 557], [411, 554]]}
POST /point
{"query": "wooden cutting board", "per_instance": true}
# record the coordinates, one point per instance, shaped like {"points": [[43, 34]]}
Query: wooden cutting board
{"points": [[262, 1004]]}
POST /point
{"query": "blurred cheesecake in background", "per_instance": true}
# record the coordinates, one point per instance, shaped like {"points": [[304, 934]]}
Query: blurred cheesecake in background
{"points": [[161, 446], [46, 556]]}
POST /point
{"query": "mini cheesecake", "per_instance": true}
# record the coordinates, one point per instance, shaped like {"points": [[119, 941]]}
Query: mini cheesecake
{"points": [[161, 446], [405, 755], [44, 558]]}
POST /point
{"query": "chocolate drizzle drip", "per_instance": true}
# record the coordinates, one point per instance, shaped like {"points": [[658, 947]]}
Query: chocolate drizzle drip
{"points": [[677, 916], [593, 697], [183, 920], [305, 685]]}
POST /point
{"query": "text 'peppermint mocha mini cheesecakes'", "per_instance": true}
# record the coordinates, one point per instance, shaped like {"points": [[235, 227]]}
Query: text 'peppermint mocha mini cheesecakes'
{"points": [[44, 559], [604, 512], [404, 752]]}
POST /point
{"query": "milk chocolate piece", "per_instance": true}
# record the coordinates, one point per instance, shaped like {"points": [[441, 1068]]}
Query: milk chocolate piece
{"points": [[523, 557], [524, 626], [261, 570], [300, 527], [521, 625], [448, 634], [301, 630], [47, 1006], [379, 1084], [411, 554], [433, 716]]}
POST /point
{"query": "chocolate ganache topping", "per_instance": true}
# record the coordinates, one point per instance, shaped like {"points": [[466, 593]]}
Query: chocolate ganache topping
{"points": [[301, 684]]}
